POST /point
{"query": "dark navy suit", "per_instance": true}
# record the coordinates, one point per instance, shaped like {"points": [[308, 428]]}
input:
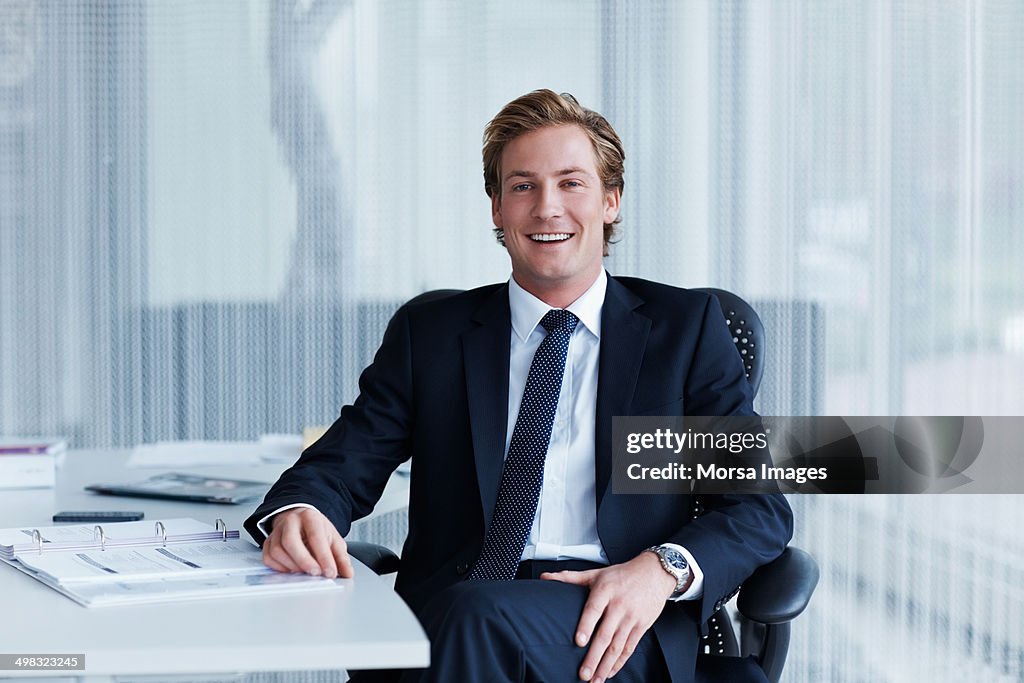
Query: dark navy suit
{"points": [[437, 391]]}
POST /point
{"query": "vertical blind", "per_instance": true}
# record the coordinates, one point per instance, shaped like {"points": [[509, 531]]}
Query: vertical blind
{"points": [[208, 211]]}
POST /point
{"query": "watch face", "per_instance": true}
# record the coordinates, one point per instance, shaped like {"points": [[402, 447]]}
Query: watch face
{"points": [[674, 558]]}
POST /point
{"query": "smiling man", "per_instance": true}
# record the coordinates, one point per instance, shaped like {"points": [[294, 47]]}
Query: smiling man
{"points": [[550, 206], [521, 563]]}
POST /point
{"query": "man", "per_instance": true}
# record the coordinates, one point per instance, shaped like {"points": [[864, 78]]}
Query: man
{"points": [[503, 398]]}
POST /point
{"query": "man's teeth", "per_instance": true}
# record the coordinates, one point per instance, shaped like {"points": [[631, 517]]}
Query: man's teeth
{"points": [[551, 237]]}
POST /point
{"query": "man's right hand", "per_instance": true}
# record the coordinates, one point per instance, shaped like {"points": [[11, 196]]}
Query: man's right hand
{"points": [[303, 541]]}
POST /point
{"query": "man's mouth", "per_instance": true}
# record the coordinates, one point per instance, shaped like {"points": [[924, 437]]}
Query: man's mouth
{"points": [[551, 236]]}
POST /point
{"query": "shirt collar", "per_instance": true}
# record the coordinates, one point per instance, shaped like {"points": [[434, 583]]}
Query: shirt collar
{"points": [[527, 310]]}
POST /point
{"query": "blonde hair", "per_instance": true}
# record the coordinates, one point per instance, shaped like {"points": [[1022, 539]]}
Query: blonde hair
{"points": [[542, 108]]}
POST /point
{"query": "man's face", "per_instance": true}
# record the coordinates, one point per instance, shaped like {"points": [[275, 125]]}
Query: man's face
{"points": [[553, 208]]}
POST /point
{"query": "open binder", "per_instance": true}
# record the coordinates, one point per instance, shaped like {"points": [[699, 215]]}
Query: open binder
{"points": [[133, 562], [122, 534]]}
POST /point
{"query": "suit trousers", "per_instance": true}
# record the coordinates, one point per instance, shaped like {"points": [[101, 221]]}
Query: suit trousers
{"points": [[514, 632], [523, 631]]}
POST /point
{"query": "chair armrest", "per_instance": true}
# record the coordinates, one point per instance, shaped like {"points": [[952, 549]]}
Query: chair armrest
{"points": [[378, 558], [780, 590]]}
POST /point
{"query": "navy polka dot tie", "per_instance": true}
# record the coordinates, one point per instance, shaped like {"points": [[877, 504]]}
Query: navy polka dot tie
{"points": [[523, 472]]}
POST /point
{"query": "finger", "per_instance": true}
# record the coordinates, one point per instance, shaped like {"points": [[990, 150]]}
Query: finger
{"points": [[631, 642], [280, 555], [293, 543], [606, 647], [583, 578], [595, 654], [273, 552], [340, 550], [274, 564], [592, 612], [318, 542]]}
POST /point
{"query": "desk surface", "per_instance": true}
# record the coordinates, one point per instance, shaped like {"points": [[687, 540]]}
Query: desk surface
{"points": [[363, 625]]}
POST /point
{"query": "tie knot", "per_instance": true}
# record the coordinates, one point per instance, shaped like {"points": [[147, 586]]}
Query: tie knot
{"points": [[558, 319]]}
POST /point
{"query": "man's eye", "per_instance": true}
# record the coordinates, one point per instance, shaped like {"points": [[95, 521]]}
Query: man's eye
{"points": [[573, 183], [520, 187]]}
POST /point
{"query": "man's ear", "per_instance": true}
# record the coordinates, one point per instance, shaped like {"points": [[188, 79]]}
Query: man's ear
{"points": [[612, 199], [496, 210]]}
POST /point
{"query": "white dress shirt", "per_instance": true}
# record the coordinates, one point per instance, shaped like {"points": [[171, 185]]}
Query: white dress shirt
{"points": [[565, 525]]}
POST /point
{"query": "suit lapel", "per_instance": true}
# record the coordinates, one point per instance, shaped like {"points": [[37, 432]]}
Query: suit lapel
{"points": [[486, 358], [623, 340]]}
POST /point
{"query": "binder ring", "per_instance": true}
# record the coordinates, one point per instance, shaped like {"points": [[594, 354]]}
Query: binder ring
{"points": [[161, 531], [98, 533], [37, 538], [223, 529]]}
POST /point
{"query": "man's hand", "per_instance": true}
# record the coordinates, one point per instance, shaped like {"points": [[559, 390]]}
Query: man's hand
{"points": [[303, 541], [626, 599]]}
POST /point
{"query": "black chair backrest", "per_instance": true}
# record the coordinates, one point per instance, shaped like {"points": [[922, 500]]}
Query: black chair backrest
{"points": [[747, 333]]}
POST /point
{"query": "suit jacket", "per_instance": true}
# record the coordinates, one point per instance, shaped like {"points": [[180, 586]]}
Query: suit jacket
{"points": [[437, 391]]}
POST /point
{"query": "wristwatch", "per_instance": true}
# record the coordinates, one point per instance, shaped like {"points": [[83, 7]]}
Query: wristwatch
{"points": [[675, 564]]}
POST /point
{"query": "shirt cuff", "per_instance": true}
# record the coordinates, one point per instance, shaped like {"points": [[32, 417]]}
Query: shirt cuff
{"points": [[263, 529], [696, 589]]}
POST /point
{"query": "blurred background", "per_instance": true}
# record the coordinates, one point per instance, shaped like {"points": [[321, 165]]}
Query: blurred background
{"points": [[209, 211]]}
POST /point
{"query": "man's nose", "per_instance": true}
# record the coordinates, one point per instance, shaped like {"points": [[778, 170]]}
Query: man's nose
{"points": [[548, 204]]}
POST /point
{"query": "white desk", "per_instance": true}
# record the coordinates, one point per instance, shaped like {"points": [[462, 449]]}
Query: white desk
{"points": [[363, 626]]}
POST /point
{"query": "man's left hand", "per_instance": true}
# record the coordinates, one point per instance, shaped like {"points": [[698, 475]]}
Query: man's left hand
{"points": [[625, 600]]}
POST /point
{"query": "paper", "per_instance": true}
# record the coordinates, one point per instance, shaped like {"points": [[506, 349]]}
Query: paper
{"points": [[30, 462], [148, 563], [269, 448], [118, 567], [224, 586], [194, 453], [280, 447]]}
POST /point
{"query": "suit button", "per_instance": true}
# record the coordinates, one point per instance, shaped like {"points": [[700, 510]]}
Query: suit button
{"points": [[462, 567]]}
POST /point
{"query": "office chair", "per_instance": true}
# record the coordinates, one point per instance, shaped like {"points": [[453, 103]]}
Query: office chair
{"points": [[774, 595]]}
